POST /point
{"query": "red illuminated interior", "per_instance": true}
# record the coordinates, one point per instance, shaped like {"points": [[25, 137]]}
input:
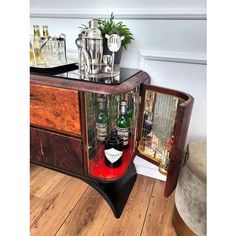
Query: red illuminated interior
{"points": [[99, 169]]}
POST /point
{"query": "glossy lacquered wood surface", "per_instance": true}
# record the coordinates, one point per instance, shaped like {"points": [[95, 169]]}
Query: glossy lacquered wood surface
{"points": [[55, 108], [77, 85]]}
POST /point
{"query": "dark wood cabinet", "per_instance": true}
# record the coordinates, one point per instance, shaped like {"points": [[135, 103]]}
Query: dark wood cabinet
{"points": [[35, 147], [57, 151], [63, 129]]}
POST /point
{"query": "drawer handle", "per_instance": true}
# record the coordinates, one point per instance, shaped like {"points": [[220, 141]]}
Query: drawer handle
{"points": [[32, 97]]}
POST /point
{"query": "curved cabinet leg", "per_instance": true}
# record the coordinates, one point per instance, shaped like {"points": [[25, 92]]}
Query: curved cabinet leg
{"points": [[116, 193]]}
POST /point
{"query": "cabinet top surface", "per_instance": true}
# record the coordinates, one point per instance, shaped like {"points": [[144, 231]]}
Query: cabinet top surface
{"points": [[116, 78], [119, 75], [124, 81]]}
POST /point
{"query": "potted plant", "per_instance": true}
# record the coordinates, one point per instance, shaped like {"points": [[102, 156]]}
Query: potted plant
{"points": [[109, 26]]}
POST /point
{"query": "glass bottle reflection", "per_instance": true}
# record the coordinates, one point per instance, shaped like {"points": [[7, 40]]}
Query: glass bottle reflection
{"points": [[102, 119]]}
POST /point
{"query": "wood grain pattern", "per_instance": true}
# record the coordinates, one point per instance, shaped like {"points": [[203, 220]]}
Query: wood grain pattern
{"points": [[133, 216], [42, 183], [72, 208], [35, 153], [92, 207], [58, 150], [159, 213], [81, 221], [62, 151], [55, 206], [55, 108]]}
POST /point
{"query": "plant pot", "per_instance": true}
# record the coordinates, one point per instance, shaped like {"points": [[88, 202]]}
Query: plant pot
{"points": [[118, 54]]}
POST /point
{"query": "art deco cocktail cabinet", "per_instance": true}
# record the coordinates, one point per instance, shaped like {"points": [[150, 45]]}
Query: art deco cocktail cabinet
{"points": [[64, 135]]}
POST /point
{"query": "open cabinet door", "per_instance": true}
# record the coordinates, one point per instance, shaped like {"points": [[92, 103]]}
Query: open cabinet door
{"points": [[164, 118]]}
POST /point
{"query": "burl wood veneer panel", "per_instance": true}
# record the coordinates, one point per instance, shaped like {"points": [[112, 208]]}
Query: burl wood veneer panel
{"points": [[55, 108]]}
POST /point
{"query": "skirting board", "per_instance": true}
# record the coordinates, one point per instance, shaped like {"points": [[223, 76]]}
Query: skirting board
{"points": [[146, 168]]}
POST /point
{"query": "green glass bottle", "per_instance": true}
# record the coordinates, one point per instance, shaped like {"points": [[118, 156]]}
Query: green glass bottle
{"points": [[123, 124], [102, 119]]}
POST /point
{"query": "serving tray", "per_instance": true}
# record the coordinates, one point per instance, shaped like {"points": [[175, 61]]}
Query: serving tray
{"points": [[69, 66]]}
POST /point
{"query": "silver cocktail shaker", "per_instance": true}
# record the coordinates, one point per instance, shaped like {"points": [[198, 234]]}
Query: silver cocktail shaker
{"points": [[94, 46]]}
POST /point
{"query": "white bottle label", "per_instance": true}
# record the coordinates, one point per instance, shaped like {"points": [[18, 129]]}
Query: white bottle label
{"points": [[101, 131], [123, 133], [113, 155]]}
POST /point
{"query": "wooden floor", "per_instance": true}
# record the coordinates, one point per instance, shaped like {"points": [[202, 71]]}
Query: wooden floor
{"points": [[66, 206]]}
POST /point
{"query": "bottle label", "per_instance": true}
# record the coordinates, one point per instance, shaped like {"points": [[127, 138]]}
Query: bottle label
{"points": [[123, 133], [101, 131], [113, 155]]}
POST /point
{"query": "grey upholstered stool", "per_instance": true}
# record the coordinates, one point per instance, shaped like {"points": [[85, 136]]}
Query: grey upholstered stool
{"points": [[190, 194]]}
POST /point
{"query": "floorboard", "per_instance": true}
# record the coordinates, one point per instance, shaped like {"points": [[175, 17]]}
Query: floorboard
{"points": [[65, 206]]}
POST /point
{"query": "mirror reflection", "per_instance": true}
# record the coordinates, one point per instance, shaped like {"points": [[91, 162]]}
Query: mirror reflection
{"points": [[158, 126]]}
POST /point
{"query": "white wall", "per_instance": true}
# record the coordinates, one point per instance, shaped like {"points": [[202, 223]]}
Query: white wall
{"points": [[170, 40]]}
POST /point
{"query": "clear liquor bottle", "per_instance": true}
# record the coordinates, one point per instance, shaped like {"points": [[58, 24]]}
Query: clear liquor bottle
{"points": [[102, 119], [45, 32], [37, 47], [123, 124]]}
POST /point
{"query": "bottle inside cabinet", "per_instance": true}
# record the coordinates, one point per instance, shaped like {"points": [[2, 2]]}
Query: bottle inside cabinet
{"points": [[114, 118]]}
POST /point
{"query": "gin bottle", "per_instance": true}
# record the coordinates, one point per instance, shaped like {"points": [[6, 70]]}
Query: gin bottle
{"points": [[113, 150]]}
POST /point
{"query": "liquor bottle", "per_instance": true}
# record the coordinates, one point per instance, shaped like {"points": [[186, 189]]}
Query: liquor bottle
{"points": [[37, 47], [102, 120], [32, 57], [113, 150], [123, 124], [148, 113], [45, 32]]}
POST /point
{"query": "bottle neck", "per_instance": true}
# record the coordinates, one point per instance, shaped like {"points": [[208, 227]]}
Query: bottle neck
{"points": [[45, 31], [102, 106], [36, 31], [123, 110]]}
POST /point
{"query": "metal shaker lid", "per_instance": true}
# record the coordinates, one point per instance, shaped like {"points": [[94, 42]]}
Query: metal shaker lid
{"points": [[93, 32]]}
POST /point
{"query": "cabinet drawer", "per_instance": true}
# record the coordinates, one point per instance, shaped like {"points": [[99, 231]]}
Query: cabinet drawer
{"points": [[55, 108]]}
